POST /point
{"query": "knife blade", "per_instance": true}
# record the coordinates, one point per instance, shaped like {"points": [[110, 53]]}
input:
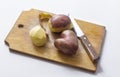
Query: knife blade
{"points": [[86, 43]]}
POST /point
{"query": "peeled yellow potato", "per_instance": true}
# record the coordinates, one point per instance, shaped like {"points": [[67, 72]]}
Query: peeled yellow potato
{"points": [[38, 36]]}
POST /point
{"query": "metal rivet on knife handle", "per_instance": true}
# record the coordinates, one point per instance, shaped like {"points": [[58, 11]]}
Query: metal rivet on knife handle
{"points": [[90, 50]]}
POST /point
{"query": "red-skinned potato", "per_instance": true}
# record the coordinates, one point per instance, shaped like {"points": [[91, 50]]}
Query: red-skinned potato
{"points": [[59, 23], [68, 43]]}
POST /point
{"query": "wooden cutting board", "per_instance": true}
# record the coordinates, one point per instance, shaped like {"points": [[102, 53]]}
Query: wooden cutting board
{"points": [[18, 40]]}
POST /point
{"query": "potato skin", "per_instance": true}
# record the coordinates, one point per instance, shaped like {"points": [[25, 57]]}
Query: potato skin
{"points": [[68, 43]]}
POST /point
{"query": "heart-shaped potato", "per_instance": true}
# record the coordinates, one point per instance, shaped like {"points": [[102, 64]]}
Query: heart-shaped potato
{"points": [[68, 43]]}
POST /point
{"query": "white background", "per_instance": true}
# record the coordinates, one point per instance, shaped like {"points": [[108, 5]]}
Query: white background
{"points": [[103, 12]]}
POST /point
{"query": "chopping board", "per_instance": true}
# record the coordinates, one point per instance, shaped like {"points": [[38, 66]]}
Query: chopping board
{"points": [[19, 40]]}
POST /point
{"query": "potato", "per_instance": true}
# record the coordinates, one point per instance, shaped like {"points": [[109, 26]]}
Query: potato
{"points": [[68, 43], [38, 36], [59, 23]]}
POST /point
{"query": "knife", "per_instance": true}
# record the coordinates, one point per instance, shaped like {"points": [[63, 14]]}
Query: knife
{"points": [[86, 43]]}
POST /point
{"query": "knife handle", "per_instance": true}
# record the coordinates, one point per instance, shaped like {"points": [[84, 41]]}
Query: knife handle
{"points": [[90, 50]]}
